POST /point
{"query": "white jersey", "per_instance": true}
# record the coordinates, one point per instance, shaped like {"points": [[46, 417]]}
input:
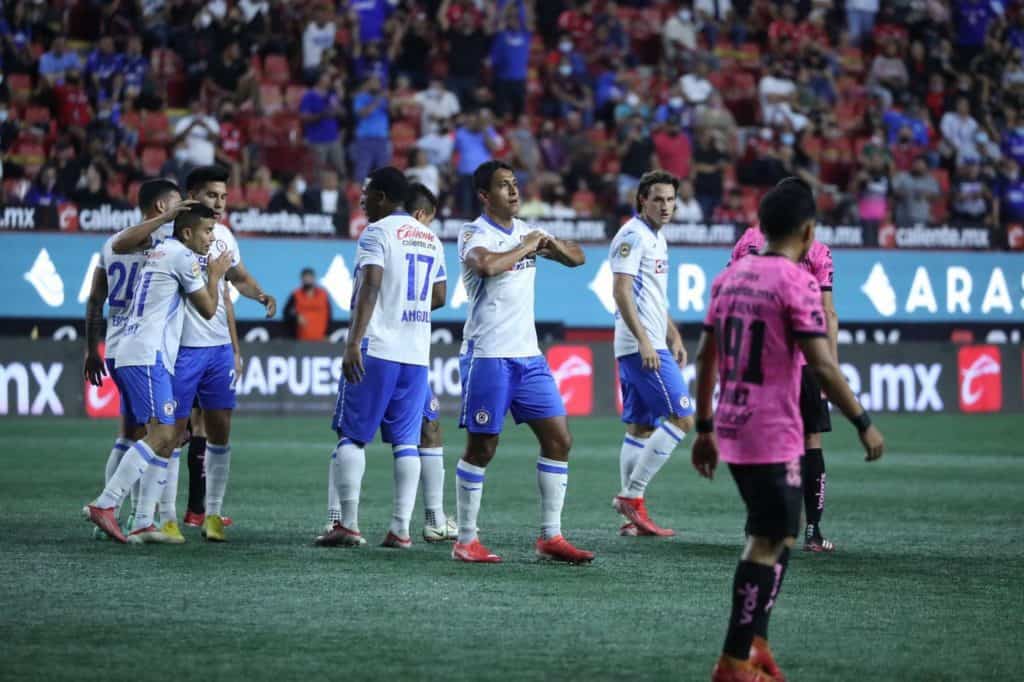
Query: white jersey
{"points": [[122, 280], [500, 323], [200, 332], [639, 251], [171, 272], [413, 260]]}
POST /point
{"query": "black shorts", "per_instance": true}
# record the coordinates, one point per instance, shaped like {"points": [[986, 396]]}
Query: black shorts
{"points": [[813, 407], [773, 495]]}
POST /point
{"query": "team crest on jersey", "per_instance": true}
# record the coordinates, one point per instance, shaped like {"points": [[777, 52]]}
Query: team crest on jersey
{"points": [[466, 235], [195, 268], [221, 245], [434, 404], [660, 267], [482, 417], [624, 250]]}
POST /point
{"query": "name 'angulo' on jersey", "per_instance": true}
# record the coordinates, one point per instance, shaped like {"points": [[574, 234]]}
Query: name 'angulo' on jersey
{"points": [[641, 252], [198, 332], [412, 258]]}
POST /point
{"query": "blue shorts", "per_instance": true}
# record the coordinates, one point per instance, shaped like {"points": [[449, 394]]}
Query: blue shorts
{"points": [[147, 391], [649, 396], [431, 407], [493, 386], [207, 372], [390, 396], [126, 411]]}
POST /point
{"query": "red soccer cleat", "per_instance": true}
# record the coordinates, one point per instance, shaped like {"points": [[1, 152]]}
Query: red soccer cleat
{"points": [[226, 521], [395, 542], [634, 509], [105, 520], [761, 657], [628, 530], [560, 549], [340, 536], [474, 553], [729, 669], [193, 519]]}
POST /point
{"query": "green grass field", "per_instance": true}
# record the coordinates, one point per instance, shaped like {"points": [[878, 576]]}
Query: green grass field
{"points": [[927, 584]]}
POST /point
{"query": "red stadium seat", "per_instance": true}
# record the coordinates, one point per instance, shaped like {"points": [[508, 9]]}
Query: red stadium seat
{"points": [[153, 158], [31, 155], [276, 70]]}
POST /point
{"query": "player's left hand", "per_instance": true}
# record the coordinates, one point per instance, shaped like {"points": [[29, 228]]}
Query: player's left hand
{"points": [[270, 303], [679, 353], [239, 363], [704, 455], [352, 364], [94, 369]]}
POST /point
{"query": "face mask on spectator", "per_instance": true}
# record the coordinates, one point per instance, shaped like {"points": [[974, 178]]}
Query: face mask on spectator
{"points": [[3, 115], [300, 185], [565, 70], [684, 15], [788, 139], [565, 46], [675, 102], [632, 99]]}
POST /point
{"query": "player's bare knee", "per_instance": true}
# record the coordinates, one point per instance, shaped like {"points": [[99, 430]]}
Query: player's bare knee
{"points": [[480, 449], [639, 430], [763, 550], [812, 441], [684, 424], [430, 434], [557, 445]]}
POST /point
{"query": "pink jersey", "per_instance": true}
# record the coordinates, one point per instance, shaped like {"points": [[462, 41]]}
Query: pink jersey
{"points": [[818, 260], [758, 308]]}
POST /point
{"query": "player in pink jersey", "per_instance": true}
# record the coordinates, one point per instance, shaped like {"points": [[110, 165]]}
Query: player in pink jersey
{"points": [[813, 407], [765, 312]]}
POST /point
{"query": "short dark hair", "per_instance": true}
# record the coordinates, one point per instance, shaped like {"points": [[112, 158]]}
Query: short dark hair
{"points": [[484, 174], [202, 175], [420, 198], [786, 207], [652, 178], [391, 182], [192, 217], [152, 191], [307, 271]]}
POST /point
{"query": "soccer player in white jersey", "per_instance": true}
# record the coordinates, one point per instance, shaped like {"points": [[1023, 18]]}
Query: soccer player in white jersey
{"points": [[400, 278], [421, 204], [113, 283], [501, 364], [649, 351], [145, 363]]}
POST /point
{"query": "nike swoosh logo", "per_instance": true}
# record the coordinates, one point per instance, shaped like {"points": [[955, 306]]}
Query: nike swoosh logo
{"points": [[470, 489], [97, 401]]}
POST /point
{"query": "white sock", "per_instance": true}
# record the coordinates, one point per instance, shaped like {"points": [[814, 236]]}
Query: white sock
{"points": [[153, 483], [218, 468], [121, 446], [333, 505], [656, 452], [469, 488], [350, 464], [169, 498], [552, 480], [432, 482], [133, 465], [134, 493], [630, 452], [407, 479]]}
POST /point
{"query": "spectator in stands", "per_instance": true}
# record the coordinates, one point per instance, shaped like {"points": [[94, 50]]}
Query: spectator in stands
{"points": [[871, 189], [438, 146], [371, 147], [680, 35], [637, 155], [317, 38], [468, 48], [371, 16], [411, 47], [73, 109], [672, 149], [526, 155], [422, 171], [231, 77], [695, 85], [105, 68], [178, 164], [437, 106], [55, 64], [289, 198], [510, 54], [553, 148], [906, 150], [370, 60], [888, 76], [688, 209], [860, 19], [328, 197], [734, 210], [565, 93], [308, 310], [233, 150], [201, 132], [912, 117], [777, 93], [1013, 137], [783, 34], [717, 118], [44, 191], [475, 142], [972, 200], [94, 194], [913, 193], [959, 131], [710, 162], [320, 110], [67, 165], [135, 69], [971, 19], [714, 16], [1009, 194], [584, 202]]}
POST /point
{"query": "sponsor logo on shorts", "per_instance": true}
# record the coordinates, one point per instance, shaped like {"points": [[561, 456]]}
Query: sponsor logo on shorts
{"points": [[482, 417], [169, 408], [684, 402], [435, 405], [981, 379]]}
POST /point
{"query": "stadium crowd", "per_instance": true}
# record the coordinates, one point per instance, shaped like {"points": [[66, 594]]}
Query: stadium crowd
{"points": [[904, 111]]}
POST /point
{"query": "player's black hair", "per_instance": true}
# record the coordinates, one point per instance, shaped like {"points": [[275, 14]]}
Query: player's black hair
{"points": [[391, 182], [786, 208], [420, 198], [152, 191], [198, 177], [484, 174], [652, 178], [192, 218]]}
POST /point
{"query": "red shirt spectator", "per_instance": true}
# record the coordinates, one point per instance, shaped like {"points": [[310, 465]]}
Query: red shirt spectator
{"points": [[461, 7], [72, 104], [672, 148], [578, 24], [232, 140], [835, 159]]}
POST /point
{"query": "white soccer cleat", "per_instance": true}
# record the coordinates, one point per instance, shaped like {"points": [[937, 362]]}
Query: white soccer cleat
{"points": [[450, 531]]}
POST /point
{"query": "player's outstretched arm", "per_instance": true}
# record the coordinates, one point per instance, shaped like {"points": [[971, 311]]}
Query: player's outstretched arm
{"points": [[367, 290], [704, 454], [247, 286], [139, 237], [567, 253], [438, 295], [622, 292], [205, 298], [94, 369], [819, 356], [486, 263]]}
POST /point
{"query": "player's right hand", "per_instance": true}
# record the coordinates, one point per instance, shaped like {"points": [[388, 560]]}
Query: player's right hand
{"points": [[649, 356], [219, 265], [94, 369], [352, 364], [179, 208], [534, 241], [704, 455], [874, 444]]}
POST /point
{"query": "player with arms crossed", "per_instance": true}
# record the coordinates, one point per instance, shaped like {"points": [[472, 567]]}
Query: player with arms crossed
{"points": [[813, 407], [764, 312], [114, 283], [649, 351], [145, 362], [400, 278], [421, 204], [501, 364]]}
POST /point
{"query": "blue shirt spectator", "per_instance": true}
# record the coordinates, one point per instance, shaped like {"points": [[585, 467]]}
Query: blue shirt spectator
{"points": [[1013, 144], [53, 65], [510, 51], [372, 15], [472, 148], [104, 63], [972, 18], [322, 104], [375, 122], [896, 120]]}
